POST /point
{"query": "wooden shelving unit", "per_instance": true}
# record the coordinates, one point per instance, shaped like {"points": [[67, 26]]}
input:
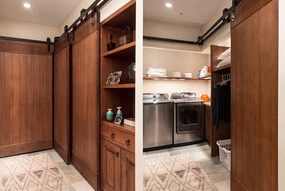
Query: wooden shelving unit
{"points": [[117, 141], [175, 78]]}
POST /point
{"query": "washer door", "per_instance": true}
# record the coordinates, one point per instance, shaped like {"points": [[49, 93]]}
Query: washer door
{"points": [[189, 117]]}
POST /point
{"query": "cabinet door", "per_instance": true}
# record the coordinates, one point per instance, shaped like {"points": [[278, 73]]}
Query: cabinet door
{"points": [[110, 166], [127, 171], [208, 123]]}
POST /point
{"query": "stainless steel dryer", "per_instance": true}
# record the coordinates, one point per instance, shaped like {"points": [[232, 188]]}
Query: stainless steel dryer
{"points": [[188, 118], [157, 121]]}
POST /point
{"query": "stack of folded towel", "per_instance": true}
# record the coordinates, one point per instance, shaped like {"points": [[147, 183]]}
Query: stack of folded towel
{"points": [[161, 72]]}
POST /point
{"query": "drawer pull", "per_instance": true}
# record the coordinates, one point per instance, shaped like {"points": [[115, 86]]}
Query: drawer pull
{"points": [[128, 142], [117, 154], [112, 135]]}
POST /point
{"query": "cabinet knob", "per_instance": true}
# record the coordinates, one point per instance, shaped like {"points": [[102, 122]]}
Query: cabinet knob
{"points": [[112, 135], [117, 154], [128, 142]]}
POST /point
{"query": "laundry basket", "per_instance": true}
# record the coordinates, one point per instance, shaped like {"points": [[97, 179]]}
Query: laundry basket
{"points": [[225, 152]]}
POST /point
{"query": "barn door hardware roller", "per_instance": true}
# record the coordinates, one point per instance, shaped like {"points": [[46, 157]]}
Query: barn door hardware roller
{"points": [[228, 16]]}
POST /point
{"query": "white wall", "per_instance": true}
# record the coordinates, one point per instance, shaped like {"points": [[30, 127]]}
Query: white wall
{"points": [[175, 61], [172, 31], [281, 100], [23, 30], [223, 33], [107, 10]]}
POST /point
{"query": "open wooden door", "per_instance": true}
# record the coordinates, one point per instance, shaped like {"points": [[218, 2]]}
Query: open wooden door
{"points": [[85, 101], [254, 98], [62, 108]]}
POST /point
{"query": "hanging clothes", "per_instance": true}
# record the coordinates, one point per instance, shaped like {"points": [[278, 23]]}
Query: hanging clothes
{"points": [[221, 104]]}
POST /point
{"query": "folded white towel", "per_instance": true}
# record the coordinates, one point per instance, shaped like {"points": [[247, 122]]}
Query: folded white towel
{"points": [[156, 69]]}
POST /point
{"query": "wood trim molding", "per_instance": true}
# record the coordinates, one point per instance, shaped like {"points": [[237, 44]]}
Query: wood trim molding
{"points": [[24, 47], [89, 174], [25, 147]]}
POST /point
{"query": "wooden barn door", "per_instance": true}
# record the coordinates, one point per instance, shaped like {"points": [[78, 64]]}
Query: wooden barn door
{"points": [[62, 107], [25, 97], [85, 102], [255, 96]]}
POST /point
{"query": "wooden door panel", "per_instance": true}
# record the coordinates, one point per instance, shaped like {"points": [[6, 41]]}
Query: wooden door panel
{"points": [[246, 8], [110, 165], [26, 98], [128, 171], [62, 103], [85, 102], [254, 101]]}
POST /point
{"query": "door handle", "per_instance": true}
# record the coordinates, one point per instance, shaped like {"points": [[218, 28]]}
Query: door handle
{"points": [[112, 135], [117, 154], [128, 142]]}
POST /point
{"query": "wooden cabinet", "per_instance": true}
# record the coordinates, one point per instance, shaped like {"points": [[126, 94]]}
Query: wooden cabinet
{"points": [[117, 158], [224, 129], [254, 164], [128, 171], [208, 123], [117, 141]]}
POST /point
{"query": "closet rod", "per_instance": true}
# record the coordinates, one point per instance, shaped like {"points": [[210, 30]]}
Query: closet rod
{"points": [[168, 40], [23, 40]]}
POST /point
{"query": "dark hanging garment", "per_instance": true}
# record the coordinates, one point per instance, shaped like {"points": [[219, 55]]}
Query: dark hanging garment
{"points": [[221, 104]]}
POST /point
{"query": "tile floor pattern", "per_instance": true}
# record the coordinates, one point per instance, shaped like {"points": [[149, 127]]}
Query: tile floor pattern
{"points": [[75, 181], [217, 173]]}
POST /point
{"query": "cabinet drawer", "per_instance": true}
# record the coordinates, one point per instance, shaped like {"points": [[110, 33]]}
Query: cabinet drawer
{"points": [[118, 137]]}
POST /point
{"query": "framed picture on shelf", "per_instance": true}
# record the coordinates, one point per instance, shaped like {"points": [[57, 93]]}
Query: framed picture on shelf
{"points": [[114, 78], [118, 120]]}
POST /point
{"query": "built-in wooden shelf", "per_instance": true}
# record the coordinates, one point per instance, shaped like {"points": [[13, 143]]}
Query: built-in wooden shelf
{"points": [[174, 78], [122, 127], [132, 85], [122, 50], [222, 67]]}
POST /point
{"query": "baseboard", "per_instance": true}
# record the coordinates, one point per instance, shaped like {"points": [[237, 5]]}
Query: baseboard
{"points": [[21, 148], [92, 177], [63, 153], [236, 185]]}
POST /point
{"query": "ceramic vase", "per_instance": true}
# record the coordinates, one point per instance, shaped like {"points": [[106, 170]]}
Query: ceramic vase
{"points": [[109, 115], [119, 112]]}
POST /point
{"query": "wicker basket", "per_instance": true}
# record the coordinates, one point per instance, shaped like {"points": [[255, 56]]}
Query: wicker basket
{"points": [[126, 38]]}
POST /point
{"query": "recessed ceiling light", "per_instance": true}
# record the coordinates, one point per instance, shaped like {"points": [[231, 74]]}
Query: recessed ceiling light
{"points": [[168, 5], [27, 5]]}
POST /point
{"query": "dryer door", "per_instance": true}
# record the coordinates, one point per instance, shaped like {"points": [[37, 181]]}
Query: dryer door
{"points": [[189, 117]]}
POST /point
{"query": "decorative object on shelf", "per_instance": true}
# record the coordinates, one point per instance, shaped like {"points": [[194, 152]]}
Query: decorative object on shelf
{"points": [[118, 120], [129, 121], [111, 45], [130, 72], [125, 38], [114, 78], [109, 115], [205, 97], [119, 112]]}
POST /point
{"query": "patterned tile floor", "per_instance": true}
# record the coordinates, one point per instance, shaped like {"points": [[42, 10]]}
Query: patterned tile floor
{"points": [[75, 180], [217, 173]]}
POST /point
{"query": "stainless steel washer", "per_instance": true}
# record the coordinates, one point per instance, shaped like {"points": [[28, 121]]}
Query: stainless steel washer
{"points": [[188, 118], [157, 121]]}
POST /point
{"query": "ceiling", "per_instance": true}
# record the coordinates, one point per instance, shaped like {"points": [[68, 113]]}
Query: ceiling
{"points": [[188, 12], [54, 12], [44, 12]]}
